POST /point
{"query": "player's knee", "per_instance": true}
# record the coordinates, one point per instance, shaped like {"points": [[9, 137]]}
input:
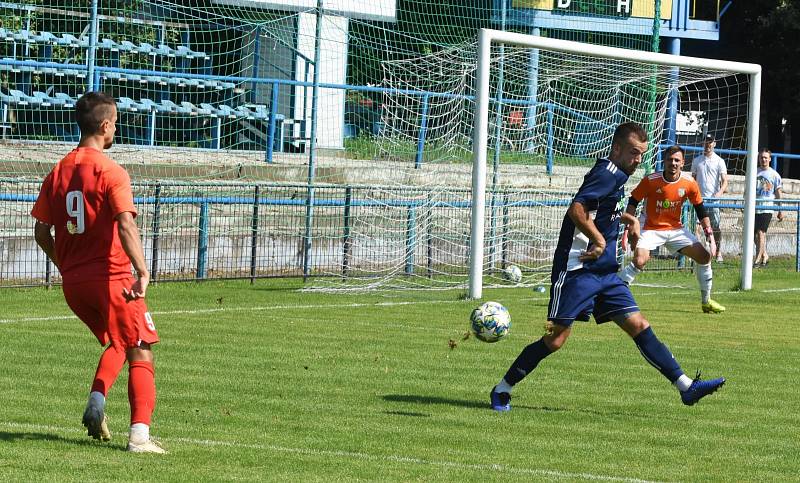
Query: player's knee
{"points": [[632, 323], [555, 336], [141, 353]]}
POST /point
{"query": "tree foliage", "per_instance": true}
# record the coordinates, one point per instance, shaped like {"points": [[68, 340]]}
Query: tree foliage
{"points": [[767, 32]]}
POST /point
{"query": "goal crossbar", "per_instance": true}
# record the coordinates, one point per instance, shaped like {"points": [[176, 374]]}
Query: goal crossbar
{"points": [[488, 37]]}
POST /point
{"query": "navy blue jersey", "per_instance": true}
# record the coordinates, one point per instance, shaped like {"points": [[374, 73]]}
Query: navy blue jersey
{"points": [[600, 193]]}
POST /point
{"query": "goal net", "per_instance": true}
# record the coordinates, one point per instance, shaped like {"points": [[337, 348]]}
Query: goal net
{"points": [[572, 97]]}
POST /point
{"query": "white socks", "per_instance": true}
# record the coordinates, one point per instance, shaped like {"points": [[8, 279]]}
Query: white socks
{"points": [[503, 386], [704, 276], [629, 273], [140, 433], [683, 383]]}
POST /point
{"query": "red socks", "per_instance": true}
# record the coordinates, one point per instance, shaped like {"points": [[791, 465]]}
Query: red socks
{"points": [[108, 368], [141, 391]]}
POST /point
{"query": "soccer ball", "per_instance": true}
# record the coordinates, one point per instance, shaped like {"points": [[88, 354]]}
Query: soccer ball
{"points": [[513, 274], [490, 322]]}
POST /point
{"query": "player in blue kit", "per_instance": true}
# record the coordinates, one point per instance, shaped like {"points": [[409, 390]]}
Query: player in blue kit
{"points": [[584, 275]]}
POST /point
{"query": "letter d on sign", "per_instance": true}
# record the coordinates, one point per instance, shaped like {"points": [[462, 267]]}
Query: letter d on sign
{"points": [[563, 3]]}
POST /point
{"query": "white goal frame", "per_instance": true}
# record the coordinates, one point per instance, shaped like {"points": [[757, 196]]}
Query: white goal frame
{"points": [[487, 37]]}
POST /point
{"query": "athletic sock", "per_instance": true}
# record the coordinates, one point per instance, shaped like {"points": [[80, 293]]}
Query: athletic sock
{"points": [[503, 386], [629, 273], [526, 362], [141, 391], [704, 279], [658, 355], [140, 432], [108, 368], [683, 383]]}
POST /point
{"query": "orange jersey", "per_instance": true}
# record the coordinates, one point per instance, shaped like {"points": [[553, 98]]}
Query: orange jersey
{"points": [[665, 199], [81, 198]]}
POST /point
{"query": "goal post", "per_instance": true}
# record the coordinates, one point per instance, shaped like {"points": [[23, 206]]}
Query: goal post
{"points": [[655, 71]]}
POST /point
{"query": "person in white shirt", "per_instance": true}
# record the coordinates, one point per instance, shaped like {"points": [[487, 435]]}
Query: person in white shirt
{"points": [[768, 187], [711, 174]]}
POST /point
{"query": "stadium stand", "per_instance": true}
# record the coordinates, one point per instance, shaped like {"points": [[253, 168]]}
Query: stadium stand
{"points": [[162, 92]]}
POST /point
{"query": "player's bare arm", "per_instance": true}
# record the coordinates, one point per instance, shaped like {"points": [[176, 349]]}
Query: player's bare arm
{"points": [[583, 221], [41, 232], [131, 243], [633, 228], [779, 195], [723, 187]]}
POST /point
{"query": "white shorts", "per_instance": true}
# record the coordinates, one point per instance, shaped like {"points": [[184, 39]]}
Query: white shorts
{"points": [[674, 240]]}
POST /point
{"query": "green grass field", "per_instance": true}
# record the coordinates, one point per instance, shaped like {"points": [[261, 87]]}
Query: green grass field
{"points": [[266, 382]]}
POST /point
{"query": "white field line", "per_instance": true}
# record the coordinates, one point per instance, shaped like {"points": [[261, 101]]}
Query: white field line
{"points": [[776, 290], [353, 305], [354, 455], [243, 309]]}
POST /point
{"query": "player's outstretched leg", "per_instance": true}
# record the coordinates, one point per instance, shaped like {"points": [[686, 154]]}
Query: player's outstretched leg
{"points": [[659, 356]]}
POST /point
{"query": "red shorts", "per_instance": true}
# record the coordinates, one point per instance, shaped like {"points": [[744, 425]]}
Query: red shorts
{"points": [[111, 318]]}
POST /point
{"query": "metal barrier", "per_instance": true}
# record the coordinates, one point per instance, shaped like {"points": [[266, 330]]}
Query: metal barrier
{"points": [[244, 230]]}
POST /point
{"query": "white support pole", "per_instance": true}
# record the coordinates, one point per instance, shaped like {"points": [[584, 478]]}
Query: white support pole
{"points": [[753, 114], [479, 145]]}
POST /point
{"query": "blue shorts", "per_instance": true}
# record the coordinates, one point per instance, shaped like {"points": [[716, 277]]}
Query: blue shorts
{"points": [[578, 294]]}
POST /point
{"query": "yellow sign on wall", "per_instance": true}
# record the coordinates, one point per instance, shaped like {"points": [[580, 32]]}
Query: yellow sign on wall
{"points": [[618, 8]]}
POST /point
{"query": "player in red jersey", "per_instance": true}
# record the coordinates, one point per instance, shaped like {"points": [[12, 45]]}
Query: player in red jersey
{"points": [[665, 193], [87, 199]]}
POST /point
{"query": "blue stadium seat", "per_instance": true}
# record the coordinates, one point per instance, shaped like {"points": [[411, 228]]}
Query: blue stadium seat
{"points": [[66, 99], [145, 48], [127, 104], [42, 99], [184, 51], [127, 46], [45, 38], [166, 50], [23, 36], [148, 104], [69, 40], [108, 44]]}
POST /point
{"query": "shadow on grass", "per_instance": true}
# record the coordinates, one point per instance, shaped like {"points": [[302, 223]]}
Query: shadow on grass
{"points": [[407, 413], [6, 436], [427, 400]]}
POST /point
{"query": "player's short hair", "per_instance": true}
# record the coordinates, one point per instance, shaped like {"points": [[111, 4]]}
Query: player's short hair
{"points": [[624, 131], [765, 150], [672, 150], [92, 109]]}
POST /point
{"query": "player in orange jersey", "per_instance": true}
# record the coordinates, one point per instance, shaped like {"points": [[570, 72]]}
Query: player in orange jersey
{"points": [[665, 193], [87, 199]]}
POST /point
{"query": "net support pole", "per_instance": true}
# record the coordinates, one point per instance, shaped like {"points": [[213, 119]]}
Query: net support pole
{"points": [[312, 147], [753, 114], [479, 142], [91, 82]]}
